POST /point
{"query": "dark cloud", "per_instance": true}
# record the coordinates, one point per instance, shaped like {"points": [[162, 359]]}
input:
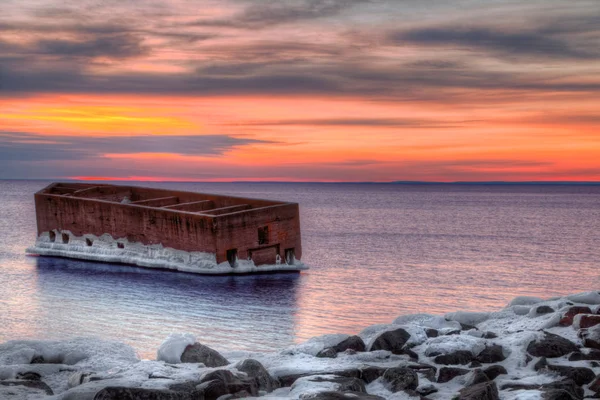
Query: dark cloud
{"points": [[362, 122], [19, 146], [115, 46], [533, 44], [268, 13]]}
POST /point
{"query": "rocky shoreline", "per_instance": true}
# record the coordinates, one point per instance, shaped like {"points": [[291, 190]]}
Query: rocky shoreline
{"points": [[531, 349]]}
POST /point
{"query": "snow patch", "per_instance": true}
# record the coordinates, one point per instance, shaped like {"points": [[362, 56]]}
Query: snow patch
{"points": [[172, 348]]}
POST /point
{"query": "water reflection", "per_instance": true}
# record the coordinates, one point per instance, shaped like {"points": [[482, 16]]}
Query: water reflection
{"points": [[137, 304]]}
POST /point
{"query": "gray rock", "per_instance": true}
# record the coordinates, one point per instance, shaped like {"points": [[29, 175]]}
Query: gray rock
{"points": [[461, 357], [489, 335], [393, 341], [491, 354], [492, 372], [353, 343], [33, 384], [400, 378], [199, 353], [344, 384], [222, 382], [255, 370], [328, 352], [341, 396], [448, 373], [551, 345], [477, 376], [426, 389], [481, 391], [124, 393]]}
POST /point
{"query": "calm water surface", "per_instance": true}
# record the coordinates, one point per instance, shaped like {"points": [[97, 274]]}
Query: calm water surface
{"points": [[375, 251]]}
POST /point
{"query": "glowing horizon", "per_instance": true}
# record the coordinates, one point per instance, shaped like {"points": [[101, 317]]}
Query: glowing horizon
{"points": [[255, 91]]}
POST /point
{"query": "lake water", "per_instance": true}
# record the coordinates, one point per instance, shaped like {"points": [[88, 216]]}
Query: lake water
{"points": [[376, 251]]}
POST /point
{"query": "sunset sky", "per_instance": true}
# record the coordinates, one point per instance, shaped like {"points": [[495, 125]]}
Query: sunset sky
{"points": [[300, 90]]}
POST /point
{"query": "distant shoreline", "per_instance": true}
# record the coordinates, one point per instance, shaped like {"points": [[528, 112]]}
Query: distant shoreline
{"points": [[407, 183]]}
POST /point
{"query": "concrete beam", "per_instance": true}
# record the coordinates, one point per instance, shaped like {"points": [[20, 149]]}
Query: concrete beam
{"points": [[226, 210], [192, 206], [157, 202]]}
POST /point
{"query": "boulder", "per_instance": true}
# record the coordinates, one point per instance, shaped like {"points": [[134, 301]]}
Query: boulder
{"points": [[32, 384], [567, 318], [343, 384], [255, 370], [580, 375], [327, 352], [591, 337], [595, 385], [341, 396], [199, 353], [446, 374], [353, 342], [476, 376], [427, 370], [583, 321], [393, 341], [491, 354], [557, 394], [400, 378], [481, 391], [593, 354], [29, 376], [551, 345], [567, 385], [124, 393], [366, 373], [544, 310], [461, 357], [489, 335], [493, 371], [222, 382], [430, 332], [426, 389]]}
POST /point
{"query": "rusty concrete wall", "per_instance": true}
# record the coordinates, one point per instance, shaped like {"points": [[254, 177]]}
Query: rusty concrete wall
{"points": [[240, 231], [184, 231]]}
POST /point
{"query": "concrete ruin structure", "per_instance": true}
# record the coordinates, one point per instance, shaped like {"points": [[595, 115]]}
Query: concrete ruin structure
{"points": [[192, 232]]}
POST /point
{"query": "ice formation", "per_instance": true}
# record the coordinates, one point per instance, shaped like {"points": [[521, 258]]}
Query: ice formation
{"points": [[107, 249], [80, 368]]}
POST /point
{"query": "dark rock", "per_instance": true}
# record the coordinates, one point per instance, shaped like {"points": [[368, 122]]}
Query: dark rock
{"points": [[427, 370], [341, 396], [328, 352], [481, 391], [540, 364], [344, 384], [413, 356], [567, 385], [124, 393], [199, 353], [29, 376], [452, 332], [430, 332], [221, 382], [567, 319], [38, 360], [368, 374], [489, 335], [595, 385], [551, 345], [544, 310], [491, 354], [426, 390], [591, 337], [448, 373], [353, 342], [580, 375], [592, 355], [393, 341], [461, 357], [467, 327], [588, 320], [255, 370], [475, 364], [557, 394], [399, 378], [493, 371], [477, 376], [33, 384]]}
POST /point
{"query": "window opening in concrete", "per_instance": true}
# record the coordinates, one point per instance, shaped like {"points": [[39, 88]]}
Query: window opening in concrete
{"points": [[232, 257], [65, 238], [290, 256], [120, 245], [263, 235], [52, 236], [88, 242]]}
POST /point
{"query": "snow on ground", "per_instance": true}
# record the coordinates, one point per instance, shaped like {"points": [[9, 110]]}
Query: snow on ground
{"points": [[106, 249], [77, 369]]}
